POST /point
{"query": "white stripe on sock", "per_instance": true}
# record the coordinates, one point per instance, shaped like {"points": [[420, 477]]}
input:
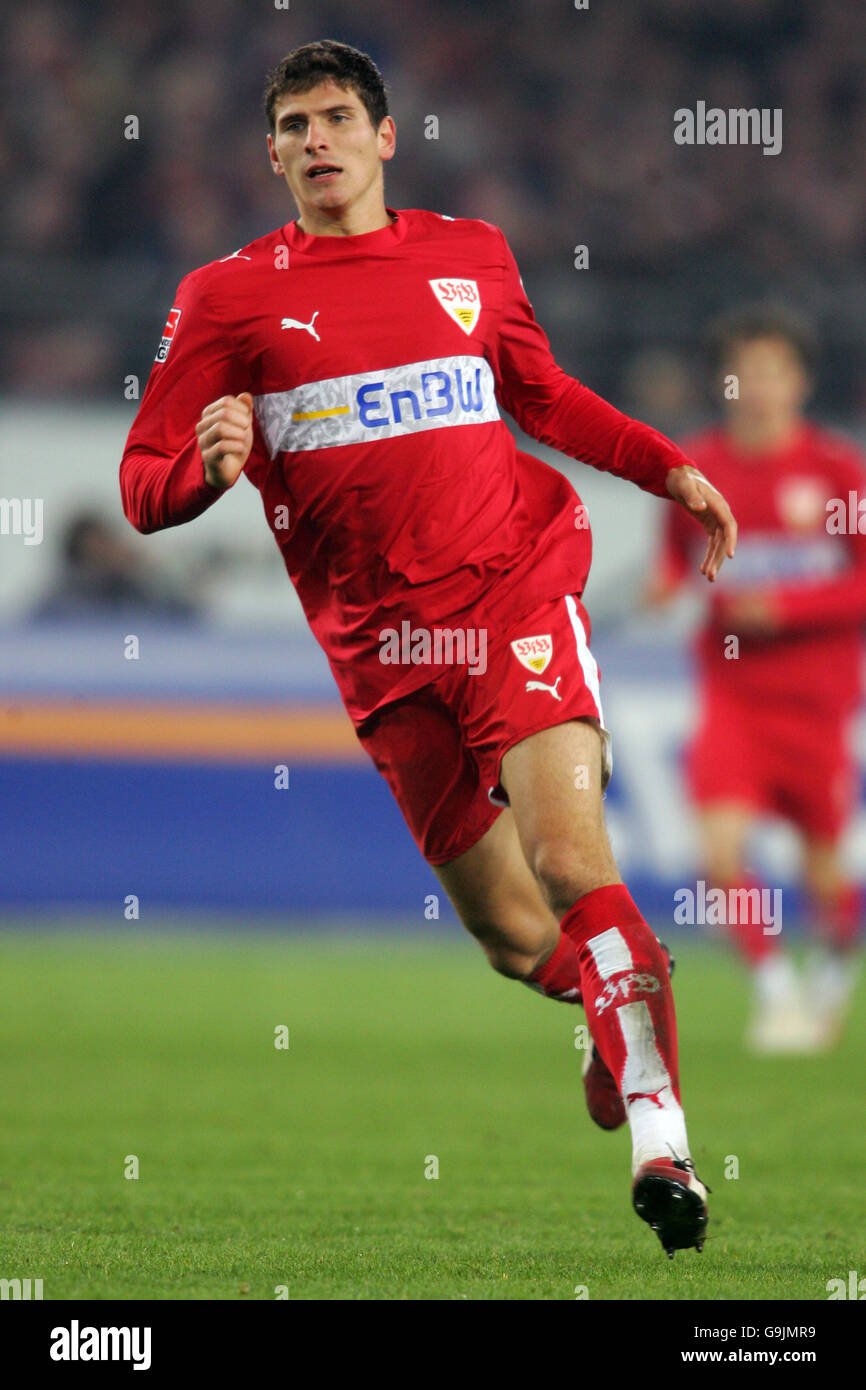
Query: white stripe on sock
{"points": [[610, 953], [655, 1129]]}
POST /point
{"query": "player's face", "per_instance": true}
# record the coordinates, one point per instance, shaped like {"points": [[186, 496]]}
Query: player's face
{"points": [[772, 381], [329, 125]]}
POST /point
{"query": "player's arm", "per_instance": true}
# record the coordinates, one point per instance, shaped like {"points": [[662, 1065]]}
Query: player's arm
{"points": [[673, 559], [194, 429], [558, 410], [837, 601]]}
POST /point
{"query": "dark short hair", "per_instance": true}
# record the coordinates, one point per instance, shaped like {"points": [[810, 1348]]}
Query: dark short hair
{"points": [[79, 530], [752, 321], [313, 63]]}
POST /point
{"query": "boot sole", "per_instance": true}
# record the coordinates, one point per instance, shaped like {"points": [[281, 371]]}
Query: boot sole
{"points": [[676, 1213]]}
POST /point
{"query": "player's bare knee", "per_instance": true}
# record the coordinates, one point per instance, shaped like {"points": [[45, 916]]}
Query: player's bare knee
{"points": [[565, 875], [723, 868], [518, 952], [823, 873], [514, 965], [723, 840]]}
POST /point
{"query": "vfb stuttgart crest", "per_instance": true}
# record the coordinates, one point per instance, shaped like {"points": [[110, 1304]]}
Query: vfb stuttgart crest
{"points": [[460, 299], [802, 503], [533, 652]]}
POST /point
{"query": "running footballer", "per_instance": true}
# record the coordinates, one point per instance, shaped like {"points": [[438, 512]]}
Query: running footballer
{"points": [[774, 730], [352, 364]]}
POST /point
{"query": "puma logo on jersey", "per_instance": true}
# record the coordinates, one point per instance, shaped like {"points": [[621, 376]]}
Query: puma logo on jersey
{"points": [[308, 327], [551, 689]]}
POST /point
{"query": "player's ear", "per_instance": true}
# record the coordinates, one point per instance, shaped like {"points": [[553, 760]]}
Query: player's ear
{"points": [[272, 155], [387, 138]]}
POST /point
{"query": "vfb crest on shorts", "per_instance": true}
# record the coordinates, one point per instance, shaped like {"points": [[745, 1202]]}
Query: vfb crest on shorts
{"points": [[460, 299], [534, 652], [168, 334]]}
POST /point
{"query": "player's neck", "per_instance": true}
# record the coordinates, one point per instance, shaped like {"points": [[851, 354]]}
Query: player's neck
{"points": [[764, 436], [355, 220]]}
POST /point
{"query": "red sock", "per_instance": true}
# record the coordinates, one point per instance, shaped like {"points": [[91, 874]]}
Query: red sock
{"points": [[749, 937], [839, 919], [627, 993], [559, 976]]}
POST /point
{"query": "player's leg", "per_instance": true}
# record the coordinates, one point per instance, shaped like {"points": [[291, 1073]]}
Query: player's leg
{"points": [[474, 850], [499, 901], [724, 829], [470, 844], [823, 795], [553, 781], [734, 768], [779, 1021], [831, 968]]}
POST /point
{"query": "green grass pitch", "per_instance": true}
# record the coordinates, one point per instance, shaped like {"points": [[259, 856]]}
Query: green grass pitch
{"points": [[304, 1168]]}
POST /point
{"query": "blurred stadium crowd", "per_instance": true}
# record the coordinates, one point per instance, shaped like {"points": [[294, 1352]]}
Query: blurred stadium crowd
{"points": [[555, 123]]}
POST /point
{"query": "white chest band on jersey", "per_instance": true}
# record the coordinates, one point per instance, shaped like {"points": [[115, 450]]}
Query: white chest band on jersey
{"points": [[366, 406]]}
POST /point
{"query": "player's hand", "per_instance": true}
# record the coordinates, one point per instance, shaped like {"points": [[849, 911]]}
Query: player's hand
{"points": [[225, 438], [707, 505], [751, 613]]}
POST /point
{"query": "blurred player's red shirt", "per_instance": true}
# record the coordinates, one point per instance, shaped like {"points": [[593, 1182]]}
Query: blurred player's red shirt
{"points": [[789, 552], [391, 483]]}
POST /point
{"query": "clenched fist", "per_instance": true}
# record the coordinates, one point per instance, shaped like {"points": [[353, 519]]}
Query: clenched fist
{"points": [[225, 438]]}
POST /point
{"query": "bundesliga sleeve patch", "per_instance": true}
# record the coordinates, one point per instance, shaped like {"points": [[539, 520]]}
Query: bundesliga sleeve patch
{"points": [[168, 333]]}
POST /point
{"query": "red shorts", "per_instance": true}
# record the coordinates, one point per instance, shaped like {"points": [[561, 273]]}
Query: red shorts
{"points": [[786, 763], [440, 748]]}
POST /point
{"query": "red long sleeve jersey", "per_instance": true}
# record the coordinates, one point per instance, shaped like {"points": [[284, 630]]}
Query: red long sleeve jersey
{"points": [[392, 485], [801, 546]]}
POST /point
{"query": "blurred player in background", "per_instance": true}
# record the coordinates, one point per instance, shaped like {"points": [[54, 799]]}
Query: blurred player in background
{"points": [[779, 662], [350, 364]]}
